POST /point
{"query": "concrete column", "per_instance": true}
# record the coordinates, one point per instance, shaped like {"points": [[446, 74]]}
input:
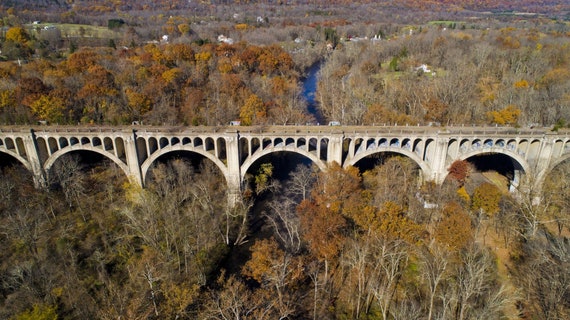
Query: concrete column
{"points": [[234, 169], [135, 172], [33, 155], [543, 161], [334, 150], [438, 167]]}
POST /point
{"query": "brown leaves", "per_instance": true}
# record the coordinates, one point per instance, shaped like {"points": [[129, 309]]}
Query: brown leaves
{"points": [[454, 230], [459, 171]]}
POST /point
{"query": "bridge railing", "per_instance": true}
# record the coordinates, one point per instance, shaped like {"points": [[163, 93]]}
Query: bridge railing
{"points": [[294, 129]]}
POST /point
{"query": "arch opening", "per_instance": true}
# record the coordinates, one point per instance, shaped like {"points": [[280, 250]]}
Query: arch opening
{"points": [[92, 165], [7, 161], [200, 164], [499, 168], [372, 161]]}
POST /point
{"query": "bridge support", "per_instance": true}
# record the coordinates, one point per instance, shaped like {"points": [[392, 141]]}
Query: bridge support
{"points": [[233, 177], [31, 150], [438, 167], [133, 162], [334, 149]]}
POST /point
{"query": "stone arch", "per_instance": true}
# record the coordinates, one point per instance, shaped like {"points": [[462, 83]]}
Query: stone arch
{"points": [[52, 145], [426, 169], [395, 142], [251, 160], [63, 142], [323, 148], [312, 145], [108, 143], [152, 145], [198, 142], [301, 143], [209, 144], [520, 160], [221, 149], [51, 160], [96, 141], [163, 142], [541, 176], [254, 145], [19, 158], [145, 166]]}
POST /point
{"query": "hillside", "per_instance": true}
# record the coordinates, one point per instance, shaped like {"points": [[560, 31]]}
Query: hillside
{"points": [[105, 6]]}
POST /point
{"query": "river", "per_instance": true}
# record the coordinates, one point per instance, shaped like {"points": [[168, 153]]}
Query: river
{"points": [[309, 90]]}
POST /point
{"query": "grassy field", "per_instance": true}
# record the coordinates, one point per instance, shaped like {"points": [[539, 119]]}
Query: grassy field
{"points": [[75, 30]]}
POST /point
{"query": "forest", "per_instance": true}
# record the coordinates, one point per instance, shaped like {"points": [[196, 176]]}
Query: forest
{"points": [[301, 243]]}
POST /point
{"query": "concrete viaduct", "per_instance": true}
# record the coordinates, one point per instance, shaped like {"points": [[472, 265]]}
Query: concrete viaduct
{"points": [[534, 152]]}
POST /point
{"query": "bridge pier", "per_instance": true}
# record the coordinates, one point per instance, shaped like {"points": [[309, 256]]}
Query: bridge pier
{"points": [[334, 148], [233, 177], [133, 161], [33, 155], [439, 167]]}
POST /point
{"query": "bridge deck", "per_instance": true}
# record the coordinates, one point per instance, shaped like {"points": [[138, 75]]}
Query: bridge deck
{"points": [[292, 129]]}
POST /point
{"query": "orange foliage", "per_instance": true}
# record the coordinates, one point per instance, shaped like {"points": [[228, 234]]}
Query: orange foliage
{"points": [[454, 230]]}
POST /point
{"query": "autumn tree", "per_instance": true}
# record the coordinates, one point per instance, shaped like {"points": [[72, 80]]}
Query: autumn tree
{"points": [[276, 271], [253, 111], [17, 44], [454, 230], [459, 171], [486, 198], [49, 108], [506, 116]]}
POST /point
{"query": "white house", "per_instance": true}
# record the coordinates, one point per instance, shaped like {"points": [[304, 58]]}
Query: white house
{"points": [[224, 39]]}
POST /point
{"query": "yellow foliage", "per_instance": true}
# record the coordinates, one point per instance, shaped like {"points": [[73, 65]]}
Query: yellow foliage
{"points": [[172, 75], [49, 108], [454, 230], [462, 193], [203, 56], [134, 193], [241, 26], [508, 115], [252, 111], [184, 28], [488, 87], [17, 35], [486, 198], [521, 84], [225, 66], [138, 101], [6, 98], [39, 312]]}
